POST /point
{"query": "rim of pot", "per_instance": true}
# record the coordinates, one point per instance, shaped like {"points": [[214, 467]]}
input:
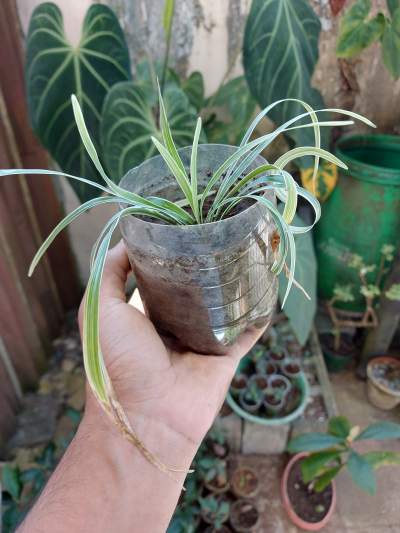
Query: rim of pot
{"points": [[384, 359], [253, 207]]}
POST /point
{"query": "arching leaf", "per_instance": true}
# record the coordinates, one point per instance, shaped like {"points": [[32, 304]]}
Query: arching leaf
{"points": [[55, 69], [129, 121], [279, 56]]}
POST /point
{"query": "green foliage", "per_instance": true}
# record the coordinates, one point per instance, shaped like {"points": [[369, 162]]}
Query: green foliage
{"points": [[312, 466], [309, 442], [358, 31], [129, 122], [10, 481], [378, 459], [216, 509], [299, 309], [380, 431], [235, 103], [280, 52], [342, 293], [332, 451], [393, 293], [391, 45], [361, 472], [54, 69], [193, 87], [339, 426]]}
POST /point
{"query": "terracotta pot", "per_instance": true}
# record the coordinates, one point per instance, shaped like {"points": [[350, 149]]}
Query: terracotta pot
{"points": [[378, 393], [238, 487], [297, 521], [203, 284]]}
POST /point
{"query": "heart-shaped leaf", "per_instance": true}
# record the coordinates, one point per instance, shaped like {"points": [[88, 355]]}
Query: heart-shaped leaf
{"points": [[279, 56], [356, 31], [129, 121], [55, 69]]}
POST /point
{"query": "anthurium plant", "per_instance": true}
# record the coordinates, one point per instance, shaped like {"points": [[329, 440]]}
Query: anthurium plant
{"points": [[227, 187], [336, 450]]}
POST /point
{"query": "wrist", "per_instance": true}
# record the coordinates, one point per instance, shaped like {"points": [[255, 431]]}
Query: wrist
{"points": [[171, 448]]}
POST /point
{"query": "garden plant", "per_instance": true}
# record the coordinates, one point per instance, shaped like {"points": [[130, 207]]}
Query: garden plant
{"points": [[307, 489], [226, 189]]}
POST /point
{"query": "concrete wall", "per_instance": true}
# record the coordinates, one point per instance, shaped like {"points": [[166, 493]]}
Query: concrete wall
{"points": [[207, 36]]}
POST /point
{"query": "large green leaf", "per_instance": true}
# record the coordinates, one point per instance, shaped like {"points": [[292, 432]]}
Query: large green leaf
{"points": [[316, 464], [279, 55], [314, 441], [299, 309], [55, 69], [378, 459], [380, 431], [194, 89], [339, 426], [356, 32], [391, 45], [129, 121], [236, 100], [393, 5], [361, 472]]}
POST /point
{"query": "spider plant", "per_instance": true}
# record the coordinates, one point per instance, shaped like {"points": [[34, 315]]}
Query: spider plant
{"points": [[229, 185]]}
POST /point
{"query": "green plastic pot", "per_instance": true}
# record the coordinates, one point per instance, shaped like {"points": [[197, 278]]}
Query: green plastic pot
{"points": [[362, 214], [301, 382], [336, 362]]}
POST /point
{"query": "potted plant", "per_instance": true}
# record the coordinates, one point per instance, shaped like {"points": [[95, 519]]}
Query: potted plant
{"points": [[251, 398], [197, 224], [186, 519], [213, 472], [383, 386], [339, 350], [238, 384], [245, 482], [244, 516], [215, 510], [308, 489]]}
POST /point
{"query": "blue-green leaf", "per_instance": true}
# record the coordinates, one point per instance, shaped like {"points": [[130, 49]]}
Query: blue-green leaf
{"points": [[339, 426], [309, 442], [361, 472], [316, 464], [380, 431]]}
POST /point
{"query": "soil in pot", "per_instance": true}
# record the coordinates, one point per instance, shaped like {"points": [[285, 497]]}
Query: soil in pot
{"points": [[245, 482], [308, 505], [387, 374], [244, 516], [341, 359], [239, 383], [291, 369]]}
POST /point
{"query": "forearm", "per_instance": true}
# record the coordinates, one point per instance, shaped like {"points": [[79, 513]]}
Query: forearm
{"points": [[104, 484]]}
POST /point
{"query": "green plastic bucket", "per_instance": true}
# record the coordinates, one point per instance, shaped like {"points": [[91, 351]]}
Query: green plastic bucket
{"points": [[362, 214], [301, 382]]}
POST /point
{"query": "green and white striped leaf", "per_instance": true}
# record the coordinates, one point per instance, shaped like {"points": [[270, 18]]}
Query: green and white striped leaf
{"points": [[279, 56], [55, 69], [129, 121], [300, 310]]}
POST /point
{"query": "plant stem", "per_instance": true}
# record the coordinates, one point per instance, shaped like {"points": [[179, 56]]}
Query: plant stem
{"points": [[168, 32]]}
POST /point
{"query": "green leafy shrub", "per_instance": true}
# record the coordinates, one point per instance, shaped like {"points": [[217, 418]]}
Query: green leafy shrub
{"points": [[333, 451]]}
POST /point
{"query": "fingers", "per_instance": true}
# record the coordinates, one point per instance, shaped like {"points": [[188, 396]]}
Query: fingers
{"points": [[116, 270]]}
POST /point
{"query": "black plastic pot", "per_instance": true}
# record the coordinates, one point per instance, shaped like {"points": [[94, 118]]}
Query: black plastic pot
{"points": [[202, 284]]}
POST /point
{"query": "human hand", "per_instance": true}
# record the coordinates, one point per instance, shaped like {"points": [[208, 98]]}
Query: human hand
{"points": [[162, 389]]}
